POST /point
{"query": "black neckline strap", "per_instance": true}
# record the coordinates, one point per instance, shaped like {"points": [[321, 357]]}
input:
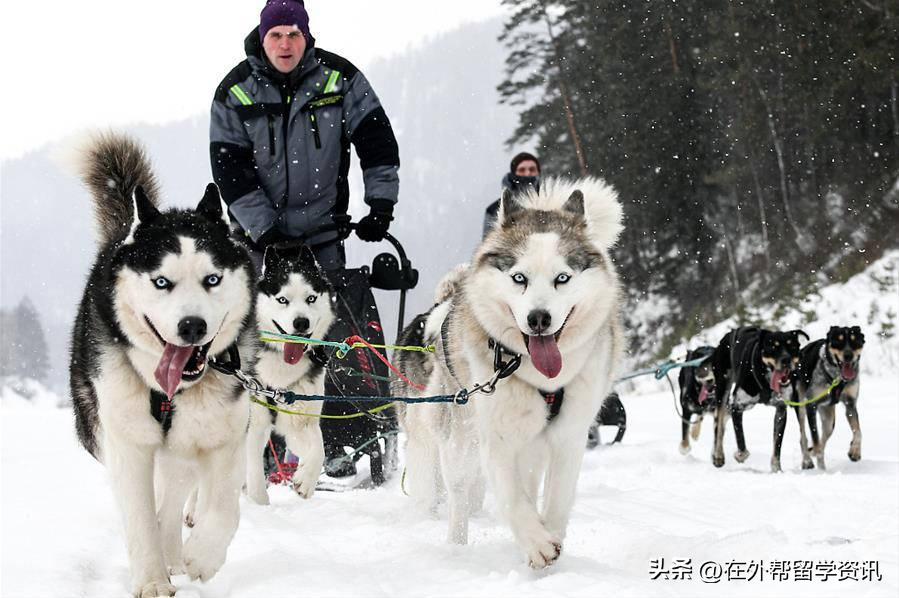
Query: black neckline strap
{"points": [[554, 401]]}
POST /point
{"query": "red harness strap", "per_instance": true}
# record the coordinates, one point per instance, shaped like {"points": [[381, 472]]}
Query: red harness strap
{"points": [[285, 470]]}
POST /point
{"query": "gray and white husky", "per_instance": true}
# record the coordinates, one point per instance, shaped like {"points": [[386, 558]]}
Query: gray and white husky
{"points": [[542, 286], [168, 290], [294, 297]]}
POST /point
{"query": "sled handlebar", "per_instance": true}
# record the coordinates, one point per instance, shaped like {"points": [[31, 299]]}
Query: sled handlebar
{"points": [[332, 227]]}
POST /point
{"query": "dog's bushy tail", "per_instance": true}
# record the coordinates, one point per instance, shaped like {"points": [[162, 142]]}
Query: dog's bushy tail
{"points": [[112, 165]]}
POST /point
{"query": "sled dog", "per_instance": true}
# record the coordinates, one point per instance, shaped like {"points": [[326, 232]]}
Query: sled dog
{"points": [[820, 363], [697, 394], [540, 288], [294, 297], [168, 291], [751, 366]]}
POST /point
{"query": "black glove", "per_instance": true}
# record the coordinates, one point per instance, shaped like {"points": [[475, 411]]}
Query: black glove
{"points": [[342, 221], [374, 226], [272, 236]]}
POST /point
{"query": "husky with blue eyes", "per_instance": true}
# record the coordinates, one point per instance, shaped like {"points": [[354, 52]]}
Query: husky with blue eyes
{"points": [[541, 289], [169, 291], [294, 297]]}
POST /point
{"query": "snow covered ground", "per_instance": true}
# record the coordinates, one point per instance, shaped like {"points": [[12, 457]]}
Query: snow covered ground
{"points": [[638, 502]]}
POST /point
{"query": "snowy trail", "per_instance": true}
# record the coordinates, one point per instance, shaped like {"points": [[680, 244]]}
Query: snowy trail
{"points": [[637, 501]]}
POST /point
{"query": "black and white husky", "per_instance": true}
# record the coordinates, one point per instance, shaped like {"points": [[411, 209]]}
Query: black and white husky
{"points": [[294, 297], [168, 290], [541, 286]]}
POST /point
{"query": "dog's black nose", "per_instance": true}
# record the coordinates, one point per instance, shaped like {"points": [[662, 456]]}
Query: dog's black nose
{"points": [[785, 362], [539, 320], [191, 329], [301, 324], [847, 356]]}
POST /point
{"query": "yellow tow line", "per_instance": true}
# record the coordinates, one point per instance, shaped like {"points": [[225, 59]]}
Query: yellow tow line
{"points": [[322, 416], [834, 384]]}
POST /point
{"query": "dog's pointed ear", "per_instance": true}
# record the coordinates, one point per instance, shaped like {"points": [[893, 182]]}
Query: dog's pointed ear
{"points": [[211, 204], [144, 210], [269, 259], [307, 257], [575, 203], [508, 207], [802, 333]]}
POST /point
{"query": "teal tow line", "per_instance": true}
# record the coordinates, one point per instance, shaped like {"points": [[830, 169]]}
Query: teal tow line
{"points": [[661, 370]]}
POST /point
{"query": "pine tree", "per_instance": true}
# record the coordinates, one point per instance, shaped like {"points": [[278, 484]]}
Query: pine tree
{"points": [[751, 142], [23, 349]]}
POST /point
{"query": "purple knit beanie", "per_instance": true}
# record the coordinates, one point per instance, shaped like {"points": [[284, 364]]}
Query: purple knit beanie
{"points": [[284, 12]]}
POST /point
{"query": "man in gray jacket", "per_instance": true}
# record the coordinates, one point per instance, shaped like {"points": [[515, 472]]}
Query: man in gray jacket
{"points": [[281, 127]]}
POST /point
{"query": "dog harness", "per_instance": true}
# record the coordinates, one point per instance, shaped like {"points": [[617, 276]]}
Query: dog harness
{"points": [[161, 408], [554, 401], [825, 361]]}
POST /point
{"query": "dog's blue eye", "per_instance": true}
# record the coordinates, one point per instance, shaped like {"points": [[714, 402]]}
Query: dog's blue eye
{"points": [[282, 300], [162, 283], [519, 278], [212, 280], [562, 278], [311, 299]]}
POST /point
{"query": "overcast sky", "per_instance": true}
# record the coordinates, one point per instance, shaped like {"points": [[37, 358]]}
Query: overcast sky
{"points": [[71, 65]]}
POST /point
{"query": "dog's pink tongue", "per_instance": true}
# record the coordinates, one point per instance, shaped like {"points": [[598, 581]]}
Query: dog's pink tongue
{"points": [[171, 366], [848, 372], [778, 378], [545, 355], [293, 352], [703, 394]]}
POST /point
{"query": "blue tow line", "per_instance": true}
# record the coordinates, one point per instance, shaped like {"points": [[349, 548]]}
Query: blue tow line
{"points": [[290, 398], [460, 398], [661, 370]]}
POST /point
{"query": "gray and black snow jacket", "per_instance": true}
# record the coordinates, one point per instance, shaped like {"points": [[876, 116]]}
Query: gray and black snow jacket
{"points": [[280, 144]]}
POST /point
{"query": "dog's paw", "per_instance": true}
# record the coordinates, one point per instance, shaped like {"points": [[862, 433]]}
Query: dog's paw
{"points": [[683, 448], [807, 463], [303, 482], [542, 548], [545, 554], [741, 456], [154, 589], [718, 459], [202, 559], [855, 453], [775, 465]]}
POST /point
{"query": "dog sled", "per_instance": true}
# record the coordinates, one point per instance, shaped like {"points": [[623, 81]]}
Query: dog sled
{"points": [[350, 430]]}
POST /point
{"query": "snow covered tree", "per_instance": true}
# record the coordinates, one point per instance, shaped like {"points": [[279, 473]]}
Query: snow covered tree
{"points": [[23, 347], [752, 143]]}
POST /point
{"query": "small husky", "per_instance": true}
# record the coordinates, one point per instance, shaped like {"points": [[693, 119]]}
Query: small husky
{"points": [[168, 290], [294, 297], [820, 363], [541, 286]]}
